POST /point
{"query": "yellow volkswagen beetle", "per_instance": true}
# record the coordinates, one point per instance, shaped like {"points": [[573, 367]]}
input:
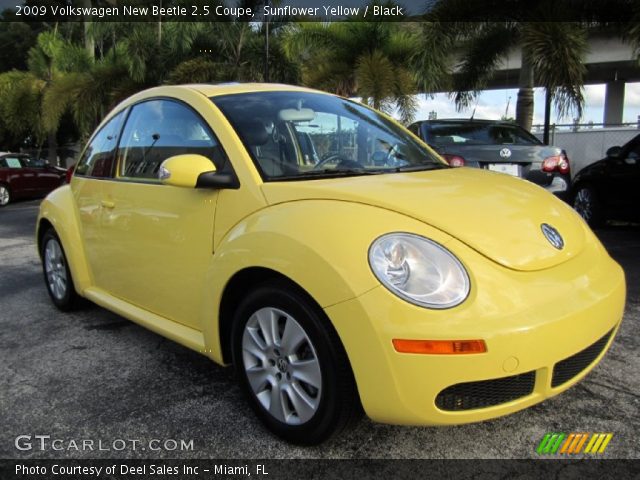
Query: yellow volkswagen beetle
{"points": [[329, 255]]}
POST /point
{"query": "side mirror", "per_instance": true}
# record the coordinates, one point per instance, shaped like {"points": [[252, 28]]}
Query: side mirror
{"points": [[191, 170], [614, 152]]}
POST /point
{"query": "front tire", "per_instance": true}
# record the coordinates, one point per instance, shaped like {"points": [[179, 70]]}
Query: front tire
{"points": [[57, 276], [5, 195], [588, 206], [291, 365]]}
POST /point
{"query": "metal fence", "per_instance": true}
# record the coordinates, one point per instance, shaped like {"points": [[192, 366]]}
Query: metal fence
{"points": [[586, 143]]}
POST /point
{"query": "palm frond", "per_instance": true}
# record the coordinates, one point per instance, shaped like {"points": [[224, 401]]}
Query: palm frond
{"points": [[197, 70], [556, 52], [375, 77], [20, 102], [181, 36], [482, 55]]}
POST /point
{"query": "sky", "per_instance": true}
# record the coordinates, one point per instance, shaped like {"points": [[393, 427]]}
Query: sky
{"points": [[492, 104]]}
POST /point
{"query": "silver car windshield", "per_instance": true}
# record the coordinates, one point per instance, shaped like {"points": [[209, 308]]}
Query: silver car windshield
{"points": [[298, 135]]}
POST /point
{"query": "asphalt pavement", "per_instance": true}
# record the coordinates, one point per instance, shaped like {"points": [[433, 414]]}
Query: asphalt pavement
{"points": [[94, 376]]}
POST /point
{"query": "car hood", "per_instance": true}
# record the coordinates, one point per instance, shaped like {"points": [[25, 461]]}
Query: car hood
{"points": [[497, 215]]}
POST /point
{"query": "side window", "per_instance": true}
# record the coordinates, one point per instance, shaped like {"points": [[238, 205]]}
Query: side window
{"points": [[99, 157], [13, 162], [634, 155], [159, 129]]}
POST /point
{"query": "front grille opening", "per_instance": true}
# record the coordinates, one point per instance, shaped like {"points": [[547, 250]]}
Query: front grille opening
{"points": [[568, 368], [486, 393]]}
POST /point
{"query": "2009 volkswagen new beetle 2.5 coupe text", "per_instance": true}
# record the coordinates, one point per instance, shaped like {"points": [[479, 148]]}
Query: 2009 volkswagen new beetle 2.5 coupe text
{"points": [[329, 255]]}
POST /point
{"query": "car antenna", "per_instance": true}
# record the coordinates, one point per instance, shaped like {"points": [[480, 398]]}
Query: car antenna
{"points": [[474, 112]]}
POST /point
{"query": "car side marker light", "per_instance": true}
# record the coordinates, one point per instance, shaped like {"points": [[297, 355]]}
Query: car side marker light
{"points": [[439, 347]]}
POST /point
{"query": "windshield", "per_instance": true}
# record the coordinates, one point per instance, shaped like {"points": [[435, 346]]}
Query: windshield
{"points": [[469, 133], [295, 135]]}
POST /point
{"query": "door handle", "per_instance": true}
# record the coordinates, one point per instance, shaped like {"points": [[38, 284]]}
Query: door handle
{"points": [[107, 204]]}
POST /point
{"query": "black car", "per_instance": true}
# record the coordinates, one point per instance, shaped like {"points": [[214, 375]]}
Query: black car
{"points": [[609, 189], [497, 145]]}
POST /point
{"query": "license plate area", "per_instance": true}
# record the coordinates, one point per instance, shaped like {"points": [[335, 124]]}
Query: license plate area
{"points": [[512, 169]]}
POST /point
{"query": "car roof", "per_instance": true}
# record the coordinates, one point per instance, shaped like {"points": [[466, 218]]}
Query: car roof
{"points": [[229, 88], [2, 154], [208, 90], [213, 89]]}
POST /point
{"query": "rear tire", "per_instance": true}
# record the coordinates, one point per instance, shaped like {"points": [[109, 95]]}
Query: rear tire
{"points": [[57, 276], [291, 365], [588, 206], [5, 195]]}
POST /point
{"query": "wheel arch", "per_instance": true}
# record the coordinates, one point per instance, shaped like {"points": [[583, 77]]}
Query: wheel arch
{"points": [[43, 225], [57, 211], [238, 284]]}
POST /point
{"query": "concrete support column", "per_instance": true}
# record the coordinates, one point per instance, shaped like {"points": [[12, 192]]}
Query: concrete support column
{"points": [[614, 103]]}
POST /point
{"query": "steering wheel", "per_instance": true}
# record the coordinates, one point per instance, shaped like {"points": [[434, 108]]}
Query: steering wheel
{"points": [[341, 162]]}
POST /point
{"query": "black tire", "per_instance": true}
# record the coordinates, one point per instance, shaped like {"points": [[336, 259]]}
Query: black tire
{"points": [[57, 276], [336, 400], [5, 195], [586, 202]]}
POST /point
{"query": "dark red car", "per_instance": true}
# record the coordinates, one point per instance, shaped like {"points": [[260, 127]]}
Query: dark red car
{"points": [[22, 177]]}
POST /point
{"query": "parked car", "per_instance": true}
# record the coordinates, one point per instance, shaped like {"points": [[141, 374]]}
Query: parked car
{"points": [[500, 146], [378, 276], [23, 177], [610, 188]]}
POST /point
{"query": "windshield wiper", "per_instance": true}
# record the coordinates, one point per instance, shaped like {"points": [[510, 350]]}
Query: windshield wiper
{"points": [[350, 172], [418, 168], [330, 172]]}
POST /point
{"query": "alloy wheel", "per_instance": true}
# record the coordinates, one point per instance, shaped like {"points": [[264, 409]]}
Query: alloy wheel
{"points": [[55, 269], [4, 196], [282, 366], [583, 204]]}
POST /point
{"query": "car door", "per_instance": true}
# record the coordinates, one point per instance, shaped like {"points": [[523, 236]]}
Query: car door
{"points": [[46, 178], [94, 169], [159, 238], [20, 179], [626, 178]]}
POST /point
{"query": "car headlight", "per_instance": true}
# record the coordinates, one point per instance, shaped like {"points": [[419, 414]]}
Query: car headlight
{"points": [[419, 270]]}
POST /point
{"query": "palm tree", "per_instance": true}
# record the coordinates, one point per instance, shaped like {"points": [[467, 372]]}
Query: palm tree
{"points": [[233, 51], [552, 52], [357, 58], [23, 93]]}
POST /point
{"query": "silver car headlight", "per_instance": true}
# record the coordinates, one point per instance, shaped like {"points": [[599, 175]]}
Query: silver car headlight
{"points": [[419, 270]]}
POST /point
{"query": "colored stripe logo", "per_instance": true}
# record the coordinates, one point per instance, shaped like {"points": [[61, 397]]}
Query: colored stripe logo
{"points": [[561, 443]]}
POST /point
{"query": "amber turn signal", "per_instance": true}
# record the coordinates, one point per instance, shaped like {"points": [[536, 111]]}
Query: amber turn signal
{"points": [[440, 347]]}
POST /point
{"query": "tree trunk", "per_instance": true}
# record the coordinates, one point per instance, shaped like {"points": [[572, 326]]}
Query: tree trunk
{"points": [[52, 148], [89, 43], [524, 106]]}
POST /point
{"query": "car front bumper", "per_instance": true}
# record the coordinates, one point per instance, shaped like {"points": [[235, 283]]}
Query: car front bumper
{"points": [[532, 322]]}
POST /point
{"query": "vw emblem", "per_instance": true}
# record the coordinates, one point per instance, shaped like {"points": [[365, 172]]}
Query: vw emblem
{"points": [[505, 153], [282, 364], [552, 235]]}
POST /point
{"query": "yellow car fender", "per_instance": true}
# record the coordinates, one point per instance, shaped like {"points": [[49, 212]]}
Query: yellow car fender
{"points": [[58, 209], [321, 245]]}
